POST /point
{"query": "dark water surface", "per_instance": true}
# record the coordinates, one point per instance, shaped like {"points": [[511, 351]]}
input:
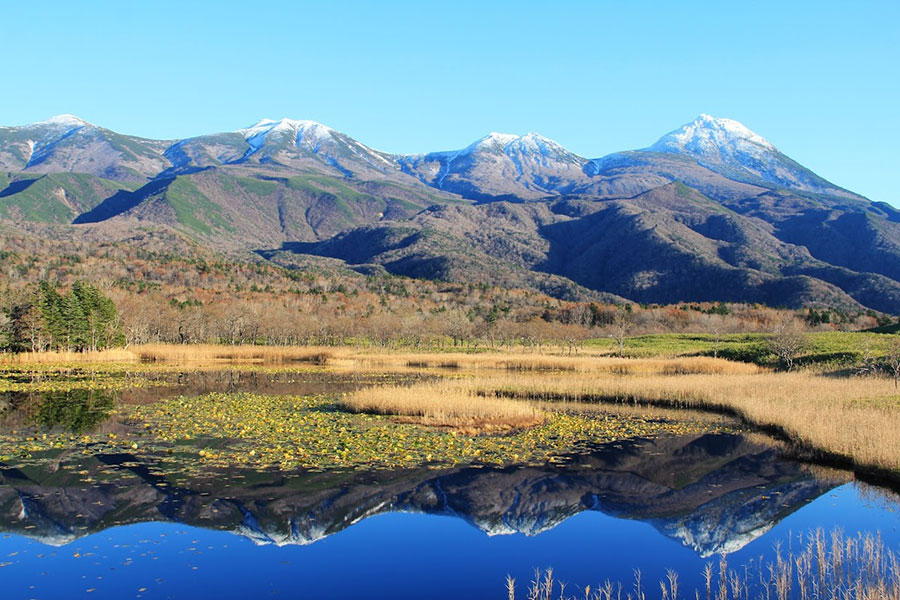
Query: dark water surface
{"points": [[672, 502]]}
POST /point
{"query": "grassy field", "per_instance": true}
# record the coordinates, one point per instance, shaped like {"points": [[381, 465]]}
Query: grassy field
{"points": [[822, 351], [851, 420], [832, 350], [822, 411]]}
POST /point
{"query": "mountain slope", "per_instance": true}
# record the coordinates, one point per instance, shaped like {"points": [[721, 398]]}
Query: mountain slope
{"points": [[68, 144], [731, 149], [666, 245], [54, 197], [295, 145], [711, 211], [500, 166], [241, 210]]}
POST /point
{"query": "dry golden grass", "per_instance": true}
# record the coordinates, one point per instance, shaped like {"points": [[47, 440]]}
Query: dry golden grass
{"points": [[546, 363], [817, 565], [207, 353], [350, 357], [41, 358], [446, 404], [857, 418]]}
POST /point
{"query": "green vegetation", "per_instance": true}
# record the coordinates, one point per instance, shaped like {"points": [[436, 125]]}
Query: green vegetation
{"points": [[312, 432], [257, 186], [332, 190], [82, 319], [193, 209], [55, 197], [831, 350]]}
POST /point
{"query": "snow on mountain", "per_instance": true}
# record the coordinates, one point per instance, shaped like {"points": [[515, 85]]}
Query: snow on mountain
{"points": [[733, 150], [541, 148], [499, 164], [713, 137], [269, 138], [308, 134], [62, 122]]}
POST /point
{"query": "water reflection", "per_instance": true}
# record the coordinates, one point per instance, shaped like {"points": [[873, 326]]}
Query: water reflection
{"points": [[76, 411], [83, 410], [713, 493]]}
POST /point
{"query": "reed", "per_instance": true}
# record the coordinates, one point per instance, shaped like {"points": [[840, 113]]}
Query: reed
{"points": [[855, 419], [211, 353], [113, 355], [550, 363], [825, 566], [450, 404], [346, 356]]}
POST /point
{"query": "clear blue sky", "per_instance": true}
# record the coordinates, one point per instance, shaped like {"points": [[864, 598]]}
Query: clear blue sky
{"points": [[820, 80]]}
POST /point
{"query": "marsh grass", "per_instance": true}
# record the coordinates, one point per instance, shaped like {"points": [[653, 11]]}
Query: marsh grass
{"points": [[503, 361], [113, 355], [824, 566], [551, 363], [857, 419], [211, 353], [449, 403], [854, 419]]}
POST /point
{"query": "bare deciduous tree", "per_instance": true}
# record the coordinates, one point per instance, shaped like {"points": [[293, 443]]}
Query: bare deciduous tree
{"points": [[623, 324], [894, 360], [787, 342]]}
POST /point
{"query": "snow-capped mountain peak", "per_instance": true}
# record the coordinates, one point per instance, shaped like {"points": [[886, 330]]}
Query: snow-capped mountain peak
{"points": [[61, 121], [303, 132], [729, 148], [707, 136], [495, 138], [507, 142]]}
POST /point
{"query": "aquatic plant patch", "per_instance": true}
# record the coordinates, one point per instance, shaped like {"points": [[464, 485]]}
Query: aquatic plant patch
{"points": [[224, 430]]}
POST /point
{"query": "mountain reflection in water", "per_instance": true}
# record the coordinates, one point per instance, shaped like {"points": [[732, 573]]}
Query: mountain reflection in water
{"points": [[713, 493]]}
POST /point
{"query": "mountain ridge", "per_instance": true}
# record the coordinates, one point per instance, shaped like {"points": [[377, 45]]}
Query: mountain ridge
{"points": [[711, 211]]}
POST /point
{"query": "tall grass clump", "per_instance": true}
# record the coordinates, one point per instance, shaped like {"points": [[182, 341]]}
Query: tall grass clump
{"points": [[855, 419], [212, 353], [825, 567], [449, 404], [53, 357]]}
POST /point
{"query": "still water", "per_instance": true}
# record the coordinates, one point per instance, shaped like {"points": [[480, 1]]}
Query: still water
{"points": [[674, 502]]}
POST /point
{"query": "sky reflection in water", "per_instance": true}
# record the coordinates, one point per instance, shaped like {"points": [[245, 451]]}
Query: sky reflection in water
{"points": [[673, 503]]}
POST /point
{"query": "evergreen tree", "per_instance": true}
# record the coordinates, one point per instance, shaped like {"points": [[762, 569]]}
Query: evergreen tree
{"points": [[83, 319]]}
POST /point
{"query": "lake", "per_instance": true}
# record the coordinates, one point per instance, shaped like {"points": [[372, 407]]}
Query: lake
{"points": [[117, 525]]}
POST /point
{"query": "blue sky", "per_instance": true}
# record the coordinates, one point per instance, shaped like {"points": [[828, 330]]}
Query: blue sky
{"points": [[820, 80]]}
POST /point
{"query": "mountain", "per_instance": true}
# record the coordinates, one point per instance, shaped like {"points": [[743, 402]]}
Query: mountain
{"points": [[730, 149], [710, 212], [500, 166], [297, 145], [66, 143], [665, 245], [241, 210], [713, 493]]}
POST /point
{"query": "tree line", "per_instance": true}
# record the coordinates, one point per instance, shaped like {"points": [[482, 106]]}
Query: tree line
{"points": [[80, 320]]}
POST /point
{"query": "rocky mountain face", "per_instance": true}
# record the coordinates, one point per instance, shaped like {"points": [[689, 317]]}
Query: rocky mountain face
{"points": [[714, 493], [500, 166], [711, 211]]}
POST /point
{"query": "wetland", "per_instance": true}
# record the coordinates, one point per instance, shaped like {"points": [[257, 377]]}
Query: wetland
{"points": [[406, 478]]}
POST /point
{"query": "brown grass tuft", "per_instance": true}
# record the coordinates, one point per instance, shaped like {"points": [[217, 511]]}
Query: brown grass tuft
{"points": [[855, 418], [449, 404], [41, 358], [206, 353]]}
